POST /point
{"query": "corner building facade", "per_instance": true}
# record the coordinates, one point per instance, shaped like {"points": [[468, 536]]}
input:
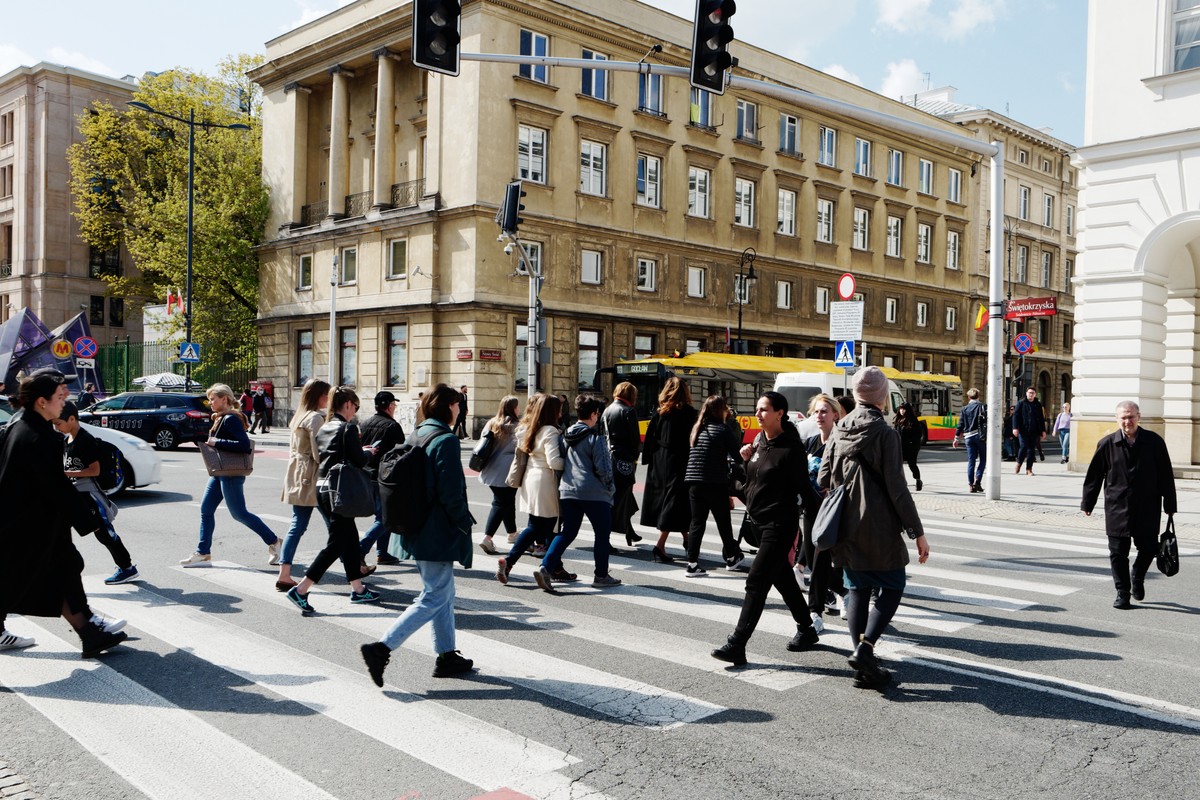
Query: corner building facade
{"points": [[642, 197]]}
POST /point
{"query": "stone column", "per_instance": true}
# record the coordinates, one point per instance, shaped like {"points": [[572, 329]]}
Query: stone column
{"points": [[339, 141], [385, 128], [296, 150]]}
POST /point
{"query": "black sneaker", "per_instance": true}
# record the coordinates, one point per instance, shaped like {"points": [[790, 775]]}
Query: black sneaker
{"points": [[450, 664], [804, 639], [387, 558], [879, 682], [300, 601], [96, 640], [377, 657], [731, 652], [1122, 602], [696, 571]]}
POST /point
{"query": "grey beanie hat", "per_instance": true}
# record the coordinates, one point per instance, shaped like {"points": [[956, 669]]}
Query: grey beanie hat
{"points": [[870, 386]]}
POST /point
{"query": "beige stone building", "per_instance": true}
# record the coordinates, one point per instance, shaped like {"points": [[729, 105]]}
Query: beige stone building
{"points": [[44, 265], [642, 196]]}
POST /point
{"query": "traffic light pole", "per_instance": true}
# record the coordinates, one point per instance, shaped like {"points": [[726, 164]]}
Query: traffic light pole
{"points": [[531, 336]]}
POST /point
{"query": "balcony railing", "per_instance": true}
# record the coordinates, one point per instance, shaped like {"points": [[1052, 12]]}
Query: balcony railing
{"points": [[5, 269], [357, 205], [313, 213], [407, 195]]}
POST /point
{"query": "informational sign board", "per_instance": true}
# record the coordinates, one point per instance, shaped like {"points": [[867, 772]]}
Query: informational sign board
{"points": [[85, 363], [846, 320]]}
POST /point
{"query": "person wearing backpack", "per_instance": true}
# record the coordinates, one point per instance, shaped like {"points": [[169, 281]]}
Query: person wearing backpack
{"points": [[383, 432], [445, 537], [972, 431], [82, 463]]}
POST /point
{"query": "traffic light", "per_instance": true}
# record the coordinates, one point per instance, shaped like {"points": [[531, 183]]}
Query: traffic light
{"points": [[710, 40], [510, 210], [436, 34]]}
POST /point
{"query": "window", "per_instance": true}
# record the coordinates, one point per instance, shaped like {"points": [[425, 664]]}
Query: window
{"points": [[1047, 211], [397, 261], [953, 248], [889, 361], [591, 268], [647, 274], [1186, 35], [693, 346], [788, 129], [822, 296], [104, 262], [890, 308], [398, 355], [951, 318], [924, 176], [304, 356], [8, 127], [1022, 263], [954, 185], [531, 154], [643, 345], [1069, 223], [1067, 341], [649, 168], [532, 259], [1035, 331], [787, 213], [949, 368], [595, 81], [650, 94], [116, 312], [1047, 268], [895, 174], [747, 121], [1023, 203], [304, 271], [743, 202], [698, 192], [895, 229], [924, 242], [783, 294], [349, 265], [1022, 155], [824, 220], [589, 358], [701, 108], [6, 181], [534, 44], [862, 229], [696, 276], [922, 315], [862, 158], [827, 149], [591, 167], [741, 289], [1068, 273], [348, 356]]}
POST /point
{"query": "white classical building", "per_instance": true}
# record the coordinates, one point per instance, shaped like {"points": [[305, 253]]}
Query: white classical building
{"points": [[1139, 269]]}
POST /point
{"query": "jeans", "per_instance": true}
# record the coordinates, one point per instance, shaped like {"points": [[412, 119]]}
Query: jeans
{"points": [[705, 499], [1029, 448], [232, 491], [503, 510], [435, 604], [1064, 441], [976, 451], [1118, 557], [539, 529], [599, 513], [342, 543], [300, 518], [375, 534], [771, 568]]}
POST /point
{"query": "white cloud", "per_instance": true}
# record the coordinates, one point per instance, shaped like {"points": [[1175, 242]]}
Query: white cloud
{"points": [[74, 58], [902, 15], [903, 78], [12, 57], [838, 71], [1065, 82], [967, 15]]}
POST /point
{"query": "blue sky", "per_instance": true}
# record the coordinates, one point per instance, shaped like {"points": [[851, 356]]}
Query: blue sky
{"points": [[1023, 58]]}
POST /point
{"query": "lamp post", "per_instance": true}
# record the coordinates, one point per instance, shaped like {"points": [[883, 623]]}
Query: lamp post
{"points": [[745, 277], [191, 184]]}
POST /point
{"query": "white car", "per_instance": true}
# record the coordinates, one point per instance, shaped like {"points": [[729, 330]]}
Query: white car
{"points": [[140, 463]]}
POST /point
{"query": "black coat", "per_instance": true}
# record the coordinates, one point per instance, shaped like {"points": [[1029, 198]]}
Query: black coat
{"points": [[1138, 483], [665, 505], [1030, 418]]}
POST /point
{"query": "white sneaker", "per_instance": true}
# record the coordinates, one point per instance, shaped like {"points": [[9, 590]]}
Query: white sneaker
{"points": [[10, 641], [818, 623], [197, 560], [738, 566], [273, 553], [107, 625]]}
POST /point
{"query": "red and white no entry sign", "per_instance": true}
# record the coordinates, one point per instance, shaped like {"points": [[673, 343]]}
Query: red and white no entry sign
{"points": [[845, 286]]}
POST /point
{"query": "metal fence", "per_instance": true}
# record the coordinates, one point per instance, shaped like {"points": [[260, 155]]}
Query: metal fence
{"points": [[119, 363]]}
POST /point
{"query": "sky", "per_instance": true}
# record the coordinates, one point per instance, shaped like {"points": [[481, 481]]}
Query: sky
{"points": [[1022, 58]]}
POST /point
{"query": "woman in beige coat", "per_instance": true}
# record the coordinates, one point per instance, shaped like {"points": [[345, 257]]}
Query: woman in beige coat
{"points": [[538, 438], [300, 481]]}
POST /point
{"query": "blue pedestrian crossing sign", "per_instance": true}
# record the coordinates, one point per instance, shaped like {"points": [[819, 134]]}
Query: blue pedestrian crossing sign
{"points": [[845, 354], [189, 353]]}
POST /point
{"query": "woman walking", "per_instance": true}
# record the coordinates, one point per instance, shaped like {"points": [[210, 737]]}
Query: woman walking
{"points": [[877, 515], [1062, 429], [444, 539], [825, 590], [300, 480], [228, 433], [911, 433], [539, 439], [776, 485], [714, 443], [624, 443], [338, 442], [665, 504], [501, 428]]}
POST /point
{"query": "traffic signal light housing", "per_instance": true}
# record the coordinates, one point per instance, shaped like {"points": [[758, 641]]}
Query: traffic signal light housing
{"points": [[509, 216], [710, 41], [436, 35]]}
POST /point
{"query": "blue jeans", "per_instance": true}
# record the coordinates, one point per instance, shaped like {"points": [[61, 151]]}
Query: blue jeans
{"points": [[435, 605], [599, 513], [300, 517], [976, 450], [374, 535], [538, 529], [232, 491], [1064, 441]]}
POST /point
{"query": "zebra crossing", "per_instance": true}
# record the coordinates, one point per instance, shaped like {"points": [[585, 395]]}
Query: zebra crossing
{"points": [[166, 751]]}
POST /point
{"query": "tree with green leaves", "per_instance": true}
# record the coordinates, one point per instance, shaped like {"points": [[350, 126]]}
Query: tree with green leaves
{"points": [[129, 182]]}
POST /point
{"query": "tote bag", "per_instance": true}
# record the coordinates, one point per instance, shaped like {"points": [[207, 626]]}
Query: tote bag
{"points": [[225, 463], [829, 515], [349, 491]]}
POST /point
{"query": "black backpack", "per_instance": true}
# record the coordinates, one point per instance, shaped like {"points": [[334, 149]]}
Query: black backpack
{"points": [[111, 473], [403, 490]]}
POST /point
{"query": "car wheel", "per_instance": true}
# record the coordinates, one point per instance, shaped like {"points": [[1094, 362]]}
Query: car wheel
{"points": [[165, 439], [126, 482]]}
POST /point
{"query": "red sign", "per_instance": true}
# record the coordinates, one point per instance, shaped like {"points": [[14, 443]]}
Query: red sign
{"points": [[846, 286], [464, 355], [1031, 307], [491, 355]]}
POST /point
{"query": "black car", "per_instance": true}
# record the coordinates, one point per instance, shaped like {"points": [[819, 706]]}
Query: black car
{"points": [[165, 419]]}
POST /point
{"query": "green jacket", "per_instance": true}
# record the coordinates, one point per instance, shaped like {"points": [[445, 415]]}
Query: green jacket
{"points": [[447, 533]]}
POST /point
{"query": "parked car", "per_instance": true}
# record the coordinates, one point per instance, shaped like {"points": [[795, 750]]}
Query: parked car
{"points": [[140, 465], [6, 411], [165, 419]]}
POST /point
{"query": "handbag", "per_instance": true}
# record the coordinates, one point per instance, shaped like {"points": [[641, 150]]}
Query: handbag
{"points": [[225, 463], [829, 518], [348, 491], [516, 472], [483, 451], [1168, 550], [748, 532]]}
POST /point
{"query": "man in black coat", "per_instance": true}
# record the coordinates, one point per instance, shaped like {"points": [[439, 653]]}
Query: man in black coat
{"points": [[383, 431], [1029, 423], [1134, 468]]}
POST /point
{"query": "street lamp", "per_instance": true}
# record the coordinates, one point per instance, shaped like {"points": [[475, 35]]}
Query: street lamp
{"points": [[191, 184], [745, 278]]}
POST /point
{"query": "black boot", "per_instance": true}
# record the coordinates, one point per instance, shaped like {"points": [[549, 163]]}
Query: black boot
{"points": [[805, 639], [863, 660], [96, 640], [732, 651]]}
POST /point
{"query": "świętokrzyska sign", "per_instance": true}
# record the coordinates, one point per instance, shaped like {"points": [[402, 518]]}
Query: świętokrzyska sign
{"points": [[1031, 307]]}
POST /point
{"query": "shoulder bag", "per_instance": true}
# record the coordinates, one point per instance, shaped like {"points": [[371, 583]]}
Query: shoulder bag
{"points": [[483, 451], [516, 472], [829, 516], [348, 491], [225, 463], [1168, 550]]}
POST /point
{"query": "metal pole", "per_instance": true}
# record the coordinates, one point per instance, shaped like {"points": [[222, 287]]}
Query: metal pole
{"points": [[333, 381], [531, 342], [187, 367], [737, 344], [995, 328]]}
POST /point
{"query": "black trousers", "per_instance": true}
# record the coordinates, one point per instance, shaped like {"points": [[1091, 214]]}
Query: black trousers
{"points": [[705, 499], [1028, 451], [343, 544], [771, 568], [824, 575], [910, 458], [1118, 557], [503, 510]]}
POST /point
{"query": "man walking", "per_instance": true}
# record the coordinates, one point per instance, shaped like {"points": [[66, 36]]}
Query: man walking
{"points": [[1029, 424], [972, 431], [1134, 468], [382, 431], [460, 427]]}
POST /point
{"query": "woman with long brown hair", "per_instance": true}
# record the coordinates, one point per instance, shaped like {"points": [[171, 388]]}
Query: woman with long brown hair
{"points": [[714, 443], [504, 497], [665, 504], [300, 480], [539, 439]]}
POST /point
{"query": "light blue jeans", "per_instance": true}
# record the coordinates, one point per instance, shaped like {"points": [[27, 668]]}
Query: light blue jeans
{"points": [[434, 605], [300, 517], [1064, 441], [232, 491]]}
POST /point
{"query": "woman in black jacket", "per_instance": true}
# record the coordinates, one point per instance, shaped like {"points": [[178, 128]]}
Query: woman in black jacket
{"points": [[714, 443], [912, 435], [665, 503], [339, 443], [776, 485], [624, 443]]}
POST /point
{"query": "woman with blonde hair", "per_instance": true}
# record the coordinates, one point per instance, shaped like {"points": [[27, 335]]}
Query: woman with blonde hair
{"points": [[665, 504], [539, 439], [228, 433], [300, 480], [825, 590], [504, 497]]}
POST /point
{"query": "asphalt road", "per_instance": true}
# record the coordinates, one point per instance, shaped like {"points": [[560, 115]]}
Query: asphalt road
{"points": [[1015, 678]]}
